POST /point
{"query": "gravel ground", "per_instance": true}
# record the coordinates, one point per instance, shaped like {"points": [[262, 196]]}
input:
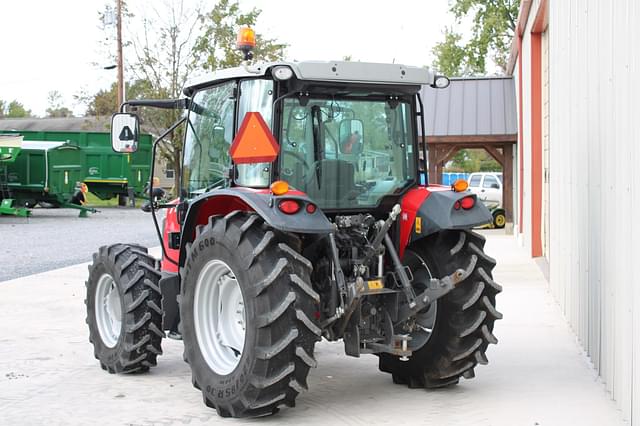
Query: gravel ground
{"points": [[55, 238]]}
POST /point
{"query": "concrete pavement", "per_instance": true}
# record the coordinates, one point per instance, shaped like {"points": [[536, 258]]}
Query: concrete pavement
{"points": [[537, 374]]}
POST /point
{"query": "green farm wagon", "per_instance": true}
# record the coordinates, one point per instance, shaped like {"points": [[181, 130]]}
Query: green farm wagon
{"points": [[51, 165]]}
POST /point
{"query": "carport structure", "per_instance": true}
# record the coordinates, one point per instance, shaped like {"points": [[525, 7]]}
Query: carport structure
{"points": [[472, 113]]}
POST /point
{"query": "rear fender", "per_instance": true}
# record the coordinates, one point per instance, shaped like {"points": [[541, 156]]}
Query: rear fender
{"points": [[427, 210], [224, 201]]}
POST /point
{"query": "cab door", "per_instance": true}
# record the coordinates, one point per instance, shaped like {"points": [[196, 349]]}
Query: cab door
{"points": [[491, 192]]}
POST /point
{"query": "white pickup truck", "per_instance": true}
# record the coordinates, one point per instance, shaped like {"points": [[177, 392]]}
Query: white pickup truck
{"points": [[488, 187]]}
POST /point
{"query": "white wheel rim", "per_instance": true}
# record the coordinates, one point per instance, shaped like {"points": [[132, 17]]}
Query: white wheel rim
{"points": [[108, 310], [219, 317], [425, 320]]}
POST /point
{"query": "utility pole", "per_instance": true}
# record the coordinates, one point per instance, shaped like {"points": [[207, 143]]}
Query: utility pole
{"points": [[120, 62]]}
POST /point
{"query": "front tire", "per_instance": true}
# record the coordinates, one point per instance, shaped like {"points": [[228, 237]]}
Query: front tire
{"points": [[262, 358], [465, 316], [124, 312]]}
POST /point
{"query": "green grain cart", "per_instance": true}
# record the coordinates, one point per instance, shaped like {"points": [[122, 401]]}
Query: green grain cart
{"points": [[52, 164]]}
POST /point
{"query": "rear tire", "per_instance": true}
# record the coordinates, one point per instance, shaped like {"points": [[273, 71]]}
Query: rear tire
{"points": [[278, 316], [124, 312], [465, 316]]}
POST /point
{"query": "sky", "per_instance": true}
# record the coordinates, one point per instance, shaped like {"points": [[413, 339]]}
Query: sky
{"points": [[49, 45]]}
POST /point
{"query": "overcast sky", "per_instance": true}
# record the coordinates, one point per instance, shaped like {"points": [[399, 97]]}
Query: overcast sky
{"points": [[53, 45]]}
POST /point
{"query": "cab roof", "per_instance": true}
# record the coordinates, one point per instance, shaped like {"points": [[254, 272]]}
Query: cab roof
{"points": [[338, 71]]}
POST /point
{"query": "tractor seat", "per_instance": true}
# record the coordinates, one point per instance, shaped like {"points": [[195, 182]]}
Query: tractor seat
{"points": [[332, 182]]}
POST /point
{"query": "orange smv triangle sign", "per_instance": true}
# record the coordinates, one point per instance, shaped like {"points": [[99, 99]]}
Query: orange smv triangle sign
{"points": [[254, 142]]}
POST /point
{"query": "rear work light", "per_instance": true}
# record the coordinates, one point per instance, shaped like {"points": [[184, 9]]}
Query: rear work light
{"points": [[289, 206], [466, 203]]}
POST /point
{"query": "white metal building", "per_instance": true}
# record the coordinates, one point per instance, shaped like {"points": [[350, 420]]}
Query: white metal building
{"points": [[577, 73]]}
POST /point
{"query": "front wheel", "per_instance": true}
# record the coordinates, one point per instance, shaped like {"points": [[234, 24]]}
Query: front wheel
{"points": [[124, 312], [456, 335], [247, 316]]}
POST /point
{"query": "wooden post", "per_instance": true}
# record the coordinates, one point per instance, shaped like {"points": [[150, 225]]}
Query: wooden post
{"points": [[507, 184], [120, 61], [433, 158]]}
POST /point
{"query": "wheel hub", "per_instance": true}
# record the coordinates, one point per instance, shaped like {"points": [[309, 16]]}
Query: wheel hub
{"points": [[219, 317], [108, 310], [422, 325]]}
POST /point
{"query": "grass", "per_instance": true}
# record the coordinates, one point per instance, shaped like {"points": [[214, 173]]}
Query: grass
{"points": [[93, 201]]}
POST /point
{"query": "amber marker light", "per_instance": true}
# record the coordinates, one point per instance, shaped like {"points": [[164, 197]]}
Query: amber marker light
{"points": [[460, 185], [279, 187]]}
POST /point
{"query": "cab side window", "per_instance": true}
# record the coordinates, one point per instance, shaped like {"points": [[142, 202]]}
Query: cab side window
{"points": [[255, 96], [475, 181], [489, 182]]}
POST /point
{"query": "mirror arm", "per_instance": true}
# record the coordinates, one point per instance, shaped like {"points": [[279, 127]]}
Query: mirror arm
{"points": [[151, 204], [157, 103]]}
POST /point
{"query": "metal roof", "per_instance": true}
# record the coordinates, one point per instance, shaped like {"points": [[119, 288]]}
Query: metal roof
{"points": [[67, 124], [471, 107]]}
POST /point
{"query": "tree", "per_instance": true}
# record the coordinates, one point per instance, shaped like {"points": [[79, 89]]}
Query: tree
{"points": [[105, 102], [13, 109], [215, 47], [56, 109], [176, 41], [493, 29], [17, 110], [472, 160]]}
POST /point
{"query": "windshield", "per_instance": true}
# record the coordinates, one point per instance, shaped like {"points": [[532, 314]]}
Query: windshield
{"points": [[347, 153]]}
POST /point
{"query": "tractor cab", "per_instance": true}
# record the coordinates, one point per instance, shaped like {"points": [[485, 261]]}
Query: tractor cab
{"points": [[345, 142]]}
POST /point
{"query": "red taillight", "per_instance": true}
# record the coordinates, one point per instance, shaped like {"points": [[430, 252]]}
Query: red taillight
{"points": [[467, 203], [311, 208], [289, 206], [457, 205]]}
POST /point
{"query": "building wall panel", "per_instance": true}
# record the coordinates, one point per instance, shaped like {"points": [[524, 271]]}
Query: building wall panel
{"points": [[592, 147]]}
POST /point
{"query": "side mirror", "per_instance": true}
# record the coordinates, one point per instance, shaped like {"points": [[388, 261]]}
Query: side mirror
{"points": [[125, 132], [350, 135], [495, 186]]}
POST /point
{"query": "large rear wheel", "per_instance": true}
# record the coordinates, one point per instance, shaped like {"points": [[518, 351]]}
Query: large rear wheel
{"points": [[247, 316], [463, 327]]}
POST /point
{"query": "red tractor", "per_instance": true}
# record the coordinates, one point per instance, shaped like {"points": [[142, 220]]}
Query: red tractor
{"points": [[300, 216]]}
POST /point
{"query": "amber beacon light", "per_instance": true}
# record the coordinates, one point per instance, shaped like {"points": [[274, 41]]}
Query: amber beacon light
{"points": [[246, 41]]}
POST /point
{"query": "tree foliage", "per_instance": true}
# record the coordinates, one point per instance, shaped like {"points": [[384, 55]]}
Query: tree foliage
{"points": [[215, 47], [13, 109], [493, 28], [176, 44], [56, 108], [472, 160], [105, 102]]}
